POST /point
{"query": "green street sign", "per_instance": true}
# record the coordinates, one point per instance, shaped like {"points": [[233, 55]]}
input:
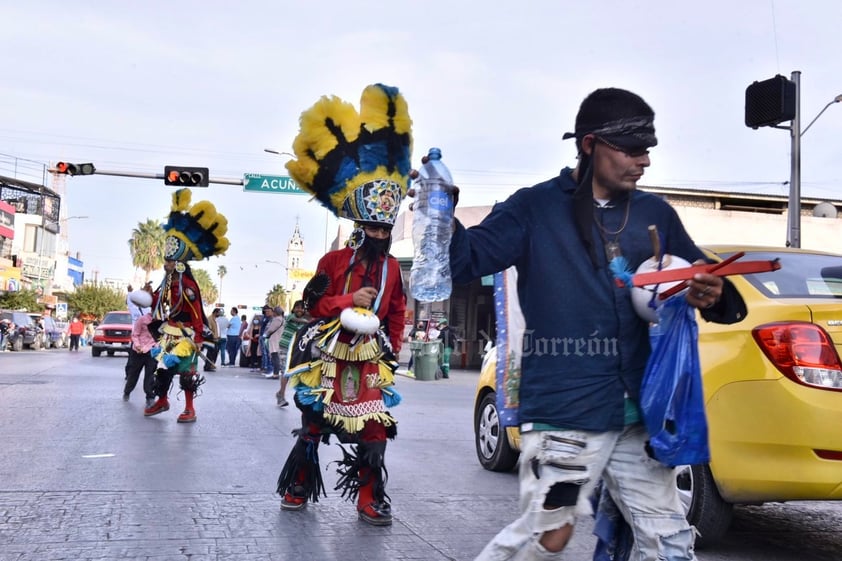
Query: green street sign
{"points": [[283, 184]]}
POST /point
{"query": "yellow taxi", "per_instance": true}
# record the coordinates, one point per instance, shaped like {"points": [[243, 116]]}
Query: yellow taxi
{"points": [[773, 393]]}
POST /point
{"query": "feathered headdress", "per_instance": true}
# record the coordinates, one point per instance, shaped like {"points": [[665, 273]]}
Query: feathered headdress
{"points": [[194, 232], [356, 164]]}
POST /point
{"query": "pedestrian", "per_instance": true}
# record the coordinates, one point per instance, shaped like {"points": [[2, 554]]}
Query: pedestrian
{"points": [[292, 323], [5, 329], [265, 355], [211, 346], [232, 334], [245, 343], [140, 357], [254, 355], [417, 334], [448, 342], [342, 365], [222, 324], [579, 411], [76, 329], [177, 302], [90, 329], [272, 336]]}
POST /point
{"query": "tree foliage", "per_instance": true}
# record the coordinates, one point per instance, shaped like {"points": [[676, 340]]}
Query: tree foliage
{"points": [[95, 300], [21, 300], [147, 246], [206, 286], [221, 271], [278, 297]]}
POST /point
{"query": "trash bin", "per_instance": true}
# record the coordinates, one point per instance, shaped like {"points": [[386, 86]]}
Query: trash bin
{"points": [[425, 359]]}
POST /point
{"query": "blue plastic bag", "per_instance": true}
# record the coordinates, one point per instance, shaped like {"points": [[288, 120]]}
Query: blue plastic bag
{"points": [[671, 395]]}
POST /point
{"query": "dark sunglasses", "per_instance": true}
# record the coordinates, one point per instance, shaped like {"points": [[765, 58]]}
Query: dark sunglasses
{"points": [[631, 153]]}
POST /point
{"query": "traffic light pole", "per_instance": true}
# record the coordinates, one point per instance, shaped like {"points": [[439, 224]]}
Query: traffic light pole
{"points": [[160, 176], [794, 204]]}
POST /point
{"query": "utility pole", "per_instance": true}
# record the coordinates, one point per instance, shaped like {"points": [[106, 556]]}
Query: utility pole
{"points": [[769, 103], [794, 204]]}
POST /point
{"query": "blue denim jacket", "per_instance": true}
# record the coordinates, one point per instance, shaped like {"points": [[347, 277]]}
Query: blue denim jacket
{"points": [[585, 348]]}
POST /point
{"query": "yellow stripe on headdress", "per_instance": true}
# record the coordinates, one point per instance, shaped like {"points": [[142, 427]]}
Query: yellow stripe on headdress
{"points": [[317, 137], [374, 111], [181, 200]]}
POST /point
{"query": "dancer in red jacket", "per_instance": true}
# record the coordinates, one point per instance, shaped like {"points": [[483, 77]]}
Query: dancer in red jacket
{"points": [[180, 323], [342, 364]]}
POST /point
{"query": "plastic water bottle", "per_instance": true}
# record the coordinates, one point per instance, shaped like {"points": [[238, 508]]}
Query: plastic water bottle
{"points": [[432, 223]]}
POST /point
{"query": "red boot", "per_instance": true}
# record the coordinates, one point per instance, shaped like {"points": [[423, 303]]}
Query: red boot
{"points": [[189, 414], [158, 407], [372, 511], [295, 497]]}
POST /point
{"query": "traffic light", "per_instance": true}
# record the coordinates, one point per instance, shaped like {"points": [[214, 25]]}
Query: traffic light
{"points": [[75, 169], [181, 176], [770, 102]]}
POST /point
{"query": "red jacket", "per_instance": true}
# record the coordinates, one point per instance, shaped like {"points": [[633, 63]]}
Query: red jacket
{"points": [[392, 302], [185, 304]]}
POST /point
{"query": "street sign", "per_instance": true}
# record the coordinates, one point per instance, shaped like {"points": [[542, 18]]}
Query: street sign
{"points": [[282, 184]]}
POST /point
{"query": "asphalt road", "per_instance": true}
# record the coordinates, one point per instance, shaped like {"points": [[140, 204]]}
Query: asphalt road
{"points": [[85, 476]]}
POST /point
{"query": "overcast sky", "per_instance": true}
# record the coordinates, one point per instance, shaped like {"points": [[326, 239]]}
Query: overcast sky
{"points": [[136, 86]]}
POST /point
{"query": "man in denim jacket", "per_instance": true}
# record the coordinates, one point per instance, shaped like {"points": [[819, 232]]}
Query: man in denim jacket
{"points": [[584, 359]]}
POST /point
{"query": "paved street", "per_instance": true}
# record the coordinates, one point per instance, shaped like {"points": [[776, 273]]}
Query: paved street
{"points": [[84, 476]]}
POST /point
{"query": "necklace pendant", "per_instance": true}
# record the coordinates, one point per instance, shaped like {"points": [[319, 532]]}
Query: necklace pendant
{"points": [[612, 251]]}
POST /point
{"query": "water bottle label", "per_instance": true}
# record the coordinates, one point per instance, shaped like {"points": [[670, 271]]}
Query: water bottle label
{"points": [[439, 201]]}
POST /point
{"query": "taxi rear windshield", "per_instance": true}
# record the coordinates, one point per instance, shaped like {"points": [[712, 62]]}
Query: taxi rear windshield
{"points": [[802, 275]]}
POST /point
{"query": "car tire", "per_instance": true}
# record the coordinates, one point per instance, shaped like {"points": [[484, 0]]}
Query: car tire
{"points": [[705, 508], [493, 449], [110, 353], [95, 351], [17, 344]]}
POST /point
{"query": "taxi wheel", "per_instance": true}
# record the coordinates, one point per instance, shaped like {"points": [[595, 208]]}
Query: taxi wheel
{"points": [[494, 451], [705, 508]]}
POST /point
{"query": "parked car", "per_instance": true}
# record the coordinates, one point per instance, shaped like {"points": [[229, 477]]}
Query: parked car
{"points": [[24, 333], [50, 334], [773, 393], [113, 334]]}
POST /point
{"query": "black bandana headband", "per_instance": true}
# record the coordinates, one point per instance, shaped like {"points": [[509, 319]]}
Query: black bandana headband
{"points": [[627, 132]]}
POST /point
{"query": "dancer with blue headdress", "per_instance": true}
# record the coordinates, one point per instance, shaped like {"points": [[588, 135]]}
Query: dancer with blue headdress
{"points": [[193, 232], [342, 365]]}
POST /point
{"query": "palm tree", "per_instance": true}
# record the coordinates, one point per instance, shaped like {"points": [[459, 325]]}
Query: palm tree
{"points": [[147, 246], [206, 286], [221, 271], [277, 297]]}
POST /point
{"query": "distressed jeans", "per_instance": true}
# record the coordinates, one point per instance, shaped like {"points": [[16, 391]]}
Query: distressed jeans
{"points": [[644, 490]]}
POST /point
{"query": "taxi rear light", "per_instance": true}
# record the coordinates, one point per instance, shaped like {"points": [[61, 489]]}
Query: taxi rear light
{"points": [[802, 351], [829, 454]]}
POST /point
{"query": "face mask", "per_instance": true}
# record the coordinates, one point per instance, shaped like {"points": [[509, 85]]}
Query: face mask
{"points": [[373, 247]]}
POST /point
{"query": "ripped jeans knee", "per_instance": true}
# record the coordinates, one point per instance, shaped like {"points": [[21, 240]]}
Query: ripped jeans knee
{"points": [[560, 473]]}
